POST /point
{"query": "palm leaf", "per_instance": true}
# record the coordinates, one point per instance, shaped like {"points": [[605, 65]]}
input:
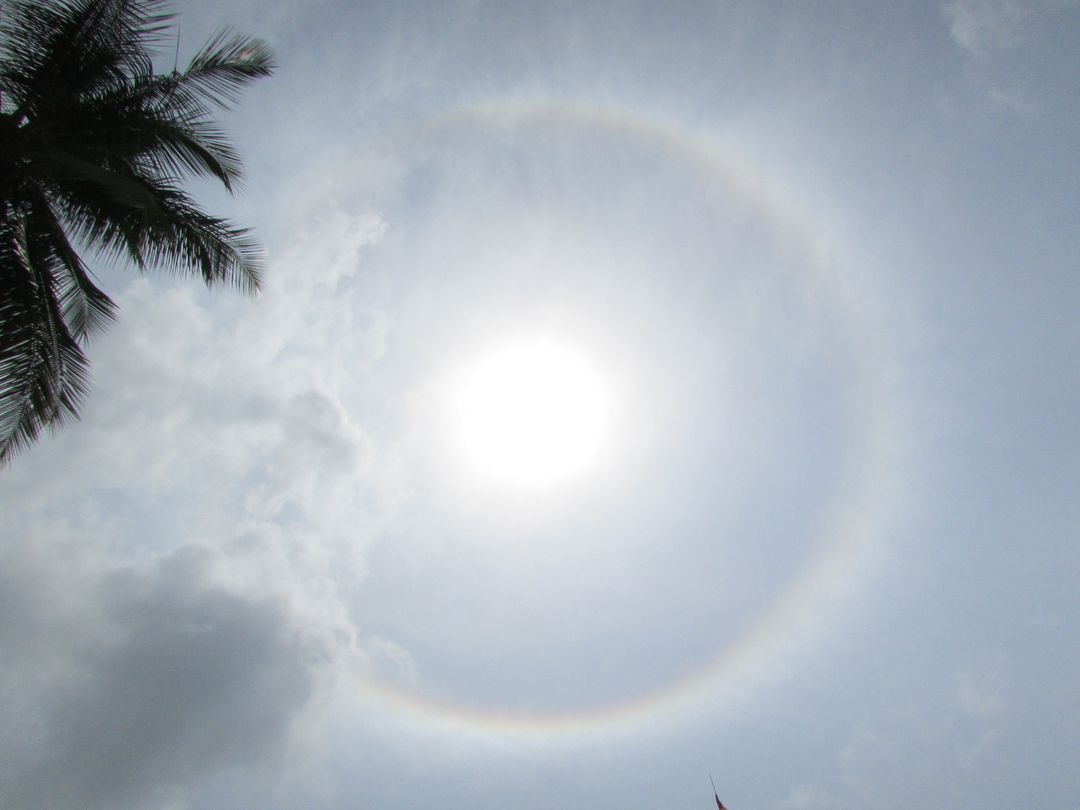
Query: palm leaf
{"points": [[154, 223], [163, 142], [86, 309], [43, 371], [228, 63], [63, 50], [93, 147]]}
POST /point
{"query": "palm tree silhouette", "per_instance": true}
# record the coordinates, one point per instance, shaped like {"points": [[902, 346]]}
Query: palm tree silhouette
{"points": [[93, 148]]}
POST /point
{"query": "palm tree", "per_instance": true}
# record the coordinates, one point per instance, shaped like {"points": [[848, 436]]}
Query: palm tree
{"points": [[94, 145]]}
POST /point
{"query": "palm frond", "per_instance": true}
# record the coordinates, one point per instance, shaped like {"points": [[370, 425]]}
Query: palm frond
{"points": [[157, 141], [58, 51], [93, 147], [192, 240], [227, 64], [85, 308], [68, 175], [43, 371], [154, 223]]}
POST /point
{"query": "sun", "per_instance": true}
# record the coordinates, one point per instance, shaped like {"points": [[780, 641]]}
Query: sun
{"points": [[531, 414]]}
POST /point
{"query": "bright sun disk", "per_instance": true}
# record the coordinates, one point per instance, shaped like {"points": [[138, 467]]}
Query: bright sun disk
{"points": [[531, 414]]}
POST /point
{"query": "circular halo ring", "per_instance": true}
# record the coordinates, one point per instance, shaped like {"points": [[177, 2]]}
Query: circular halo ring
{"points": [[853, 533]]}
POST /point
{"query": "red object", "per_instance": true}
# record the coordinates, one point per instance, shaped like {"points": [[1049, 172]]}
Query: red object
{"points": [[719, 804]]}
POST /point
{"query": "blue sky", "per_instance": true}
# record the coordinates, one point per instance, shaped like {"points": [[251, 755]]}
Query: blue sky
{"points": [[822, 261]]}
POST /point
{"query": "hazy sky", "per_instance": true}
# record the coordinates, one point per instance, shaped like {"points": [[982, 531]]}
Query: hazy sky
{"points": [[801, 284]]}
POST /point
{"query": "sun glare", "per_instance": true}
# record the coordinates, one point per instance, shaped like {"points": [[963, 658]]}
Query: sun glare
{"points": [[531, 414]]}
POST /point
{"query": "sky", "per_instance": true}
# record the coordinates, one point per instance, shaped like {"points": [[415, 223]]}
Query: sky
{"points": [[639, 392]]}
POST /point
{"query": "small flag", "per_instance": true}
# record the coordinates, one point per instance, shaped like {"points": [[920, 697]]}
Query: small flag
{"points": [[719, 804]]}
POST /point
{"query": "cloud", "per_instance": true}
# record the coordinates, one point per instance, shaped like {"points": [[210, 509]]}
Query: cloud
{"points": [[211, 412], [1008, 69], [163, 677], [390, 660], [980, 26], [949, 747], [810, 797], [980, 691], [866, 764], [175, 567], [984, 26]]}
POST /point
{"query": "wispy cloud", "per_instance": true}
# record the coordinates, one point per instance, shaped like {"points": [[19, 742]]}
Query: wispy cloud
{"points": [[810, 797], [984, 26], [980, 26], [980, 691]]}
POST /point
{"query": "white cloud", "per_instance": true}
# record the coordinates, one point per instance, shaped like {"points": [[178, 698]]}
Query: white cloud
{"points": [[162, 677], [866, 764], [980, 691], [1000, 36], [175, 566], [810, 797], [390, 660], [984, 26]]}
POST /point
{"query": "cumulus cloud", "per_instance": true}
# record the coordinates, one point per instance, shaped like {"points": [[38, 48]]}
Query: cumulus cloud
{"points": [[224, 411], [165, 676], [174, 567]]}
